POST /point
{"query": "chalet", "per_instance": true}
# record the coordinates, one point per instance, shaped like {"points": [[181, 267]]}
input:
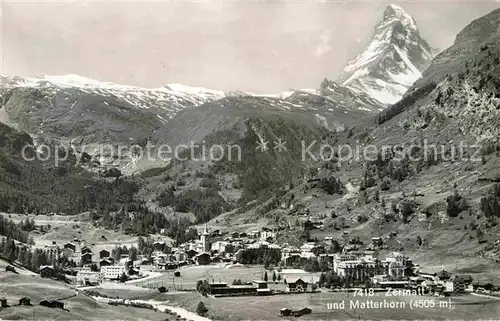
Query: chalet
{"points": [[86, 258], [295, 284], [442, 276], [52, 304], [377, 241], [285, 312], [260, 284], [24, 301], [262, 288], [133, 271], [215, 233], [427, 276], [171, 266], [254, 235], [191, 253], [222, 289], [46, 271], [235, 235], [298, 313], [70, 246], [461, 283], [202, 259], [105, 262], [10, 268], [160, 260], [161, 245], [85, 250], [103, 254], [67, 252]]}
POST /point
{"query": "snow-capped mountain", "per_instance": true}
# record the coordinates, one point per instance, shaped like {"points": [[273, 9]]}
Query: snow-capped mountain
{"points": [[169, 100], [392, 62]]}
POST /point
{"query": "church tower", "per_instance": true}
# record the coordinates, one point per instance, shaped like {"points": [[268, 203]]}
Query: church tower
{"points": [[204, 240]]}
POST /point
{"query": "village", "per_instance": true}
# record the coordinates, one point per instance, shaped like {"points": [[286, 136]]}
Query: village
{"points": [[315, 266], [224, 269]]}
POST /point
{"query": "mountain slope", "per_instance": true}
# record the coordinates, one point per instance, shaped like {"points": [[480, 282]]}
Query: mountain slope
{"points": [[74, 107], [480, 37], [421, 192], [393, 60]]}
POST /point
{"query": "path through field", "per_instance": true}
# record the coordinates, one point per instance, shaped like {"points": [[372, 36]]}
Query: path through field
{"points": [[162, 307]]}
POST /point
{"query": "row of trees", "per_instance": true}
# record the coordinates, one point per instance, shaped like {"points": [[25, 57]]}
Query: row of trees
{"points": [[407, 101], [261, 255], [29, 258], [117, 252], [490, 204], [17, 231]]}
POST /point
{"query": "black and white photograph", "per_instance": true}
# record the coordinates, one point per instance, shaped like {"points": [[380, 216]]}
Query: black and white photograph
{"points": [[234, 160]]}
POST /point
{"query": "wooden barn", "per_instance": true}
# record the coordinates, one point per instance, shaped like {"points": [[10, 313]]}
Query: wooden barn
{"points": [[24, 301], [52, 304]]}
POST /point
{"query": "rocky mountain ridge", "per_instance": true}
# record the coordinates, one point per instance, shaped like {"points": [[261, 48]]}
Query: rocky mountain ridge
{"points": [[394, 59]]}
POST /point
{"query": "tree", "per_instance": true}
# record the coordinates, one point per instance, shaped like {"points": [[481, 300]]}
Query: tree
{"points": [[198, 285], [479, 235], [274, 276], [333, 280], [123, 277], [419, 241], [455, 204], [265, 276], [133, 253], [201, 309], [322, 280], [203, 287], [406, 210]]}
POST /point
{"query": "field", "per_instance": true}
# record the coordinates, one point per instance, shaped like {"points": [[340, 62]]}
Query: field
{"points": [[467, 307], [267, 308], [218, 273], [77, 307], [191, 274], [65, 228]]}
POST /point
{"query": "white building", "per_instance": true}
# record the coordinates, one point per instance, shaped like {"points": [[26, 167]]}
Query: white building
{"points": [[112, 271], [264, 235], [180, 256], [307, 247], [85, 277], [219, 246]]}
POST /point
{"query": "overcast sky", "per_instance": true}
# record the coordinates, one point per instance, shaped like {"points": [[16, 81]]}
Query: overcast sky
{"points": [[256, 46]]}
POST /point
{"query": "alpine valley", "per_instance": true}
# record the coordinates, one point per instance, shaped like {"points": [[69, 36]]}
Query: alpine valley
{"points": [[301, 183]]}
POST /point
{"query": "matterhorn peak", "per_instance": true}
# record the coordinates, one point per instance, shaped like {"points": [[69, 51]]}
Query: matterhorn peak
{"points": [[396, 11], [394, 59]]}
